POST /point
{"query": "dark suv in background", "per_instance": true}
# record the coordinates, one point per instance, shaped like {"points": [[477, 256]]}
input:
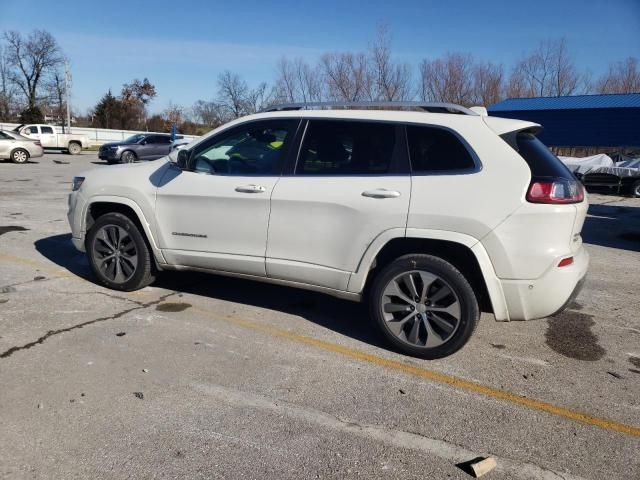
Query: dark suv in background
{"points": [[141, 146]]}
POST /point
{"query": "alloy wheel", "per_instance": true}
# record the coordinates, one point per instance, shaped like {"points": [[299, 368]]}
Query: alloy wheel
{"points": [[421, 309], [115, 253]]}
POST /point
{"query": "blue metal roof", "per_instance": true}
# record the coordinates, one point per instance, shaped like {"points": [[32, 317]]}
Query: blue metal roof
{"points": [[628, 100]]}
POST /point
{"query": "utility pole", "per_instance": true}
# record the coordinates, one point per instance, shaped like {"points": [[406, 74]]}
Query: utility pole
{"points": [[67, 80]]}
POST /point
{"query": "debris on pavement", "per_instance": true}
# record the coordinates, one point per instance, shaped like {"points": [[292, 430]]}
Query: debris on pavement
{"points": [[121, 334], [145, 370], [139, 395], [478, 467]]}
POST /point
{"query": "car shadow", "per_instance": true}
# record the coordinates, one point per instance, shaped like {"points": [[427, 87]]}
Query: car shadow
{"points": [[341, 316], [613, 226]]}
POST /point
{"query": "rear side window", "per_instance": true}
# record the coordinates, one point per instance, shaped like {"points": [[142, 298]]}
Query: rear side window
{"points": [[46, 129], [346, 148], [437, 150], [541, 161]]}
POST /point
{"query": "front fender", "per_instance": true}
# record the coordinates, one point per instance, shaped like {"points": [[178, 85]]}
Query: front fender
{"points": [[148, 227]]}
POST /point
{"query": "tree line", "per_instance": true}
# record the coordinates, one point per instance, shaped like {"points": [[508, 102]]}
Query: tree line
{"points": [[31, 81]]}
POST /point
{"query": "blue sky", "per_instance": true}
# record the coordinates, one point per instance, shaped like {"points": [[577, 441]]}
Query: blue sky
{"points": [[182, 45]]}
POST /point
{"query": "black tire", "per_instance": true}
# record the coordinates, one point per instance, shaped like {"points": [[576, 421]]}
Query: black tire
{"points": [[74, 148], [128, 157], [458, 291], [635, 189], [19, 155], [143, 272]]}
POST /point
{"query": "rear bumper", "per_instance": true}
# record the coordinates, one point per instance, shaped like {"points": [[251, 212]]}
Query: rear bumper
{"points": [[548, 295]]}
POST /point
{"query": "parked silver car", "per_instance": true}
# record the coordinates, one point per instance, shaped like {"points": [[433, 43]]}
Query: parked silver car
{"points": [[17, 148]]}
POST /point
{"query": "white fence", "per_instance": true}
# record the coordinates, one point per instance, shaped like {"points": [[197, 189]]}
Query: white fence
{"points": [[97, 136]]}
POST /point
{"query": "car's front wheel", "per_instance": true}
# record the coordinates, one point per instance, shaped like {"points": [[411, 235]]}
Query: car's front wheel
{"points": [[424, 306], [635, 189], [118, 253], [128, 157]]}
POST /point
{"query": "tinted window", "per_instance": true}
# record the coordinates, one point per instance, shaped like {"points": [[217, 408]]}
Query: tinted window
{"points": [[541, 161], [254, 149], [32, 129], [46, 129], [346, 148], [4, 136], [164, 140], [436, 149]]}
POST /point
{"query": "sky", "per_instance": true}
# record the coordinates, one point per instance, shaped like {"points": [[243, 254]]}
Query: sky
{"points": [[183, 45]]}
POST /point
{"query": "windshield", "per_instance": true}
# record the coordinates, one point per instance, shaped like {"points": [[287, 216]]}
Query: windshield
{"points": [[134, 139]]}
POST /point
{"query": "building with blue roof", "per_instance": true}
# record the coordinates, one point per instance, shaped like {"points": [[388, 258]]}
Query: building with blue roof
{"points": [[597, 122]]}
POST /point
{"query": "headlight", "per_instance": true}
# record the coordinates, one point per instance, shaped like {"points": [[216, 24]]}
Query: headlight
{"points": [[77, 183]]}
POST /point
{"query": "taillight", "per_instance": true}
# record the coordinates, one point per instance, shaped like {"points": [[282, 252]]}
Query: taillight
{"points": [[555, 190]]}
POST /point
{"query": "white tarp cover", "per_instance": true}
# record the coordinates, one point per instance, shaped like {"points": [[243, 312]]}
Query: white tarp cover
{"points": [[585, 164]]}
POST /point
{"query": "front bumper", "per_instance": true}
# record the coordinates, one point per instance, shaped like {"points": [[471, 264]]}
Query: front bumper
{"points": [[74, 216], [548, 295], [108, 154]]}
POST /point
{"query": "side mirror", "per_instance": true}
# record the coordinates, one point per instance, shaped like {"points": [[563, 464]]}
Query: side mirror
{"points": [[183, 158]]}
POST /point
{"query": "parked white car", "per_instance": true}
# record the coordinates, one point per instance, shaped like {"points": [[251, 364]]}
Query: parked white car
{"points": [[17, 148], [427, 215], [50, 140]]}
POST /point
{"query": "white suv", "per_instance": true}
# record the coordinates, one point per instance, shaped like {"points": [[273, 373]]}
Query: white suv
{"points": [[430, 212]]}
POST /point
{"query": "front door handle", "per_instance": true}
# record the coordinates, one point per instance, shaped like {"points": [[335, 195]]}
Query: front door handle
{"points": [[251, 189], [381, 193]]}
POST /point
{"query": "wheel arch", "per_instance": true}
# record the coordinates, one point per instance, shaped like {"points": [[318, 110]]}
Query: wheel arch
{"points": [[19, 148], [98, 206], [463, 251]]}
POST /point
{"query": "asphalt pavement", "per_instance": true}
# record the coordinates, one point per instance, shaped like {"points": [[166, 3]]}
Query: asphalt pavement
{"points": [[199, 376]]}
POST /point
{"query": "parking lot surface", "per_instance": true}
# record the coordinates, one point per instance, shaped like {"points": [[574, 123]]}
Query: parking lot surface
{"points": [[200, 376]]}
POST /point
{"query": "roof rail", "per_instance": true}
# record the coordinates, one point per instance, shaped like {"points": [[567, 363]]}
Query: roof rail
{"points": [[433, 107]]}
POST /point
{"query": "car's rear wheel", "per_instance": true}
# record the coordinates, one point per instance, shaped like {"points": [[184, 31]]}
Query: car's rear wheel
{"points": [[74, 148], [635, 189], [424, 306], [118, 253], [128, 157], [19, 155]]}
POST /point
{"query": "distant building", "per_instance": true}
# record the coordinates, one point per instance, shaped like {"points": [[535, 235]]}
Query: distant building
{"points": [[582, 124]]}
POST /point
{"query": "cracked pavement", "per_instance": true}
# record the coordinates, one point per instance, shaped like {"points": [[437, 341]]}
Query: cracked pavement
{"points": [[199, 376]]}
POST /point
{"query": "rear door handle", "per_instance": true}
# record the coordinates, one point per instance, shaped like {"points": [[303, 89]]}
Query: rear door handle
{"points": [[381, 193], [251, 189]]}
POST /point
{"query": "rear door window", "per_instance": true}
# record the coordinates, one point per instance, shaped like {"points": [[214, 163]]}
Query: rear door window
{"points": [[334, 147], [436, 150], [46, 129]]}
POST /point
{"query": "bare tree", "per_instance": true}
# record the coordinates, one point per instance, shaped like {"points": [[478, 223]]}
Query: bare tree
{"points": [[548, 71], [448, 79], [7, 89], [347, 76], [392, 80], [622, 77], [259, 98], [31, 60], [232, 93], [209, 113], [56, 88], [488, 83], [297, 81]]}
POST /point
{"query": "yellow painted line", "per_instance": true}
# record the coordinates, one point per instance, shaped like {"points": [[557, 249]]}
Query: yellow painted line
{"points": [[434, 376], [60, 272]]}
